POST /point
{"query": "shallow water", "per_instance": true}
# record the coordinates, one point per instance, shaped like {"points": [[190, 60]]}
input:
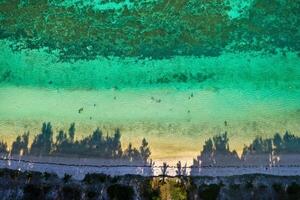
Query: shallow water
{"points": [[253, 100], [174, 92]]}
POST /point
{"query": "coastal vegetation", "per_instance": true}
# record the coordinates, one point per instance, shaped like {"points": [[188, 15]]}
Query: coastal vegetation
{"points": [[32, 185], [215, 153]]}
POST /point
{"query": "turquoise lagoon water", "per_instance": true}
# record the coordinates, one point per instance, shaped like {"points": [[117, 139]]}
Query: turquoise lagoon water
{"points": [[174, 72], [255, 94]]}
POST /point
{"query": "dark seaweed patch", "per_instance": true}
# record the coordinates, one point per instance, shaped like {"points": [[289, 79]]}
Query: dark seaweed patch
{"points": [[6, 76]]}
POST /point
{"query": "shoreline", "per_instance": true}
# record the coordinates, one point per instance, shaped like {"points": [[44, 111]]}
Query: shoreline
{"points": [[79, 167]]}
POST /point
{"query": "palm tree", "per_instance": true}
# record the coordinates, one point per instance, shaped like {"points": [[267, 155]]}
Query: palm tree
{"points": [[164, 170], [145, 151]]}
